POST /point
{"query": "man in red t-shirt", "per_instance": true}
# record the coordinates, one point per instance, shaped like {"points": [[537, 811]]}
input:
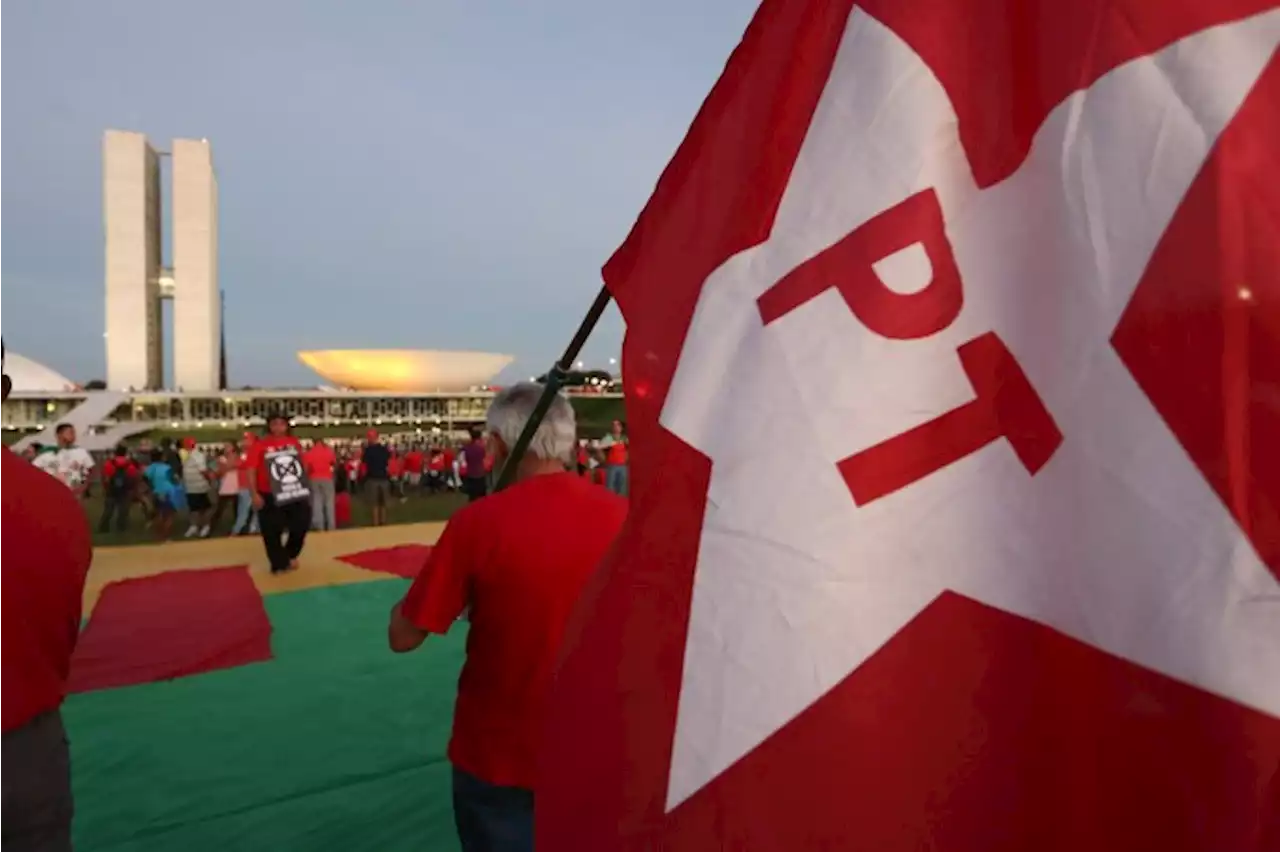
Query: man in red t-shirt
{"points": [[119, 483], [281, 493], [517, 562], [413, 463], [437, 471], [44, 555], [320, 461], [614, 451]]}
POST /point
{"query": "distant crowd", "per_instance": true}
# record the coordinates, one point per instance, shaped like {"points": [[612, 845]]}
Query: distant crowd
{"points": [[207, 485]]}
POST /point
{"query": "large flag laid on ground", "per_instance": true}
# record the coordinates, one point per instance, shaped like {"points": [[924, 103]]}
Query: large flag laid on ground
{"points": [[953, 372]]}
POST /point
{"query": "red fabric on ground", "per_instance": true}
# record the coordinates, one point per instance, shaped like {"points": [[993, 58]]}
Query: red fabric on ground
{"points": [[404, 560], [171, 625]]}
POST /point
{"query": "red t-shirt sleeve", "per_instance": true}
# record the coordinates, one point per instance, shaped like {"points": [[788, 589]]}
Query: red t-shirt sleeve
{"points": [[441, 590]]}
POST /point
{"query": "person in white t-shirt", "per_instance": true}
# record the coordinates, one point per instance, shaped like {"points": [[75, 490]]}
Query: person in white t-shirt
{"points": [[197, 480], [44, 458], [73, 464]]}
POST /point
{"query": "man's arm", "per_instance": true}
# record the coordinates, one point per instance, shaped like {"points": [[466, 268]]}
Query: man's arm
{"points": [[439, 593]]}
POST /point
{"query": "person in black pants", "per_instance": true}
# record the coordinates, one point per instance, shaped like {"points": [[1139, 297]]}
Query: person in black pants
{"points": [[476, 482], [280, 494]]}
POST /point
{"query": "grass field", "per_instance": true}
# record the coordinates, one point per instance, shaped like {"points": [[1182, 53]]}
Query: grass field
{"points": [[417, 508]]}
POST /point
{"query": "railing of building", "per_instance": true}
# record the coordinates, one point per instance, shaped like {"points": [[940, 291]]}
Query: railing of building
{"points": [[228, 410]]}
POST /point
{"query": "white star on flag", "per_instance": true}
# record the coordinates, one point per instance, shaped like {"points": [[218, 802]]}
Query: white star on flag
{"points": [[1117, 541]]}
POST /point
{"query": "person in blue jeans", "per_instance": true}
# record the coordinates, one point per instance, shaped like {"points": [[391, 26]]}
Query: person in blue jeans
{"points": [[246, 515], [615, 449]]}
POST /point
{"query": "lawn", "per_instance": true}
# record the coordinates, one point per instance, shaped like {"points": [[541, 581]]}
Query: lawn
{"points": [[417, 508]]}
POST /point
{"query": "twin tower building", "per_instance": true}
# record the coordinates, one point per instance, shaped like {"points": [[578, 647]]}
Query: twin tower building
{"points": [[137, 278]]}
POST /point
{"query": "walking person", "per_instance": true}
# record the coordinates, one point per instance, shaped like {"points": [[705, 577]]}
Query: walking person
{"points": [[44, 556], [320, 461], [119, 480], [281, 494], [517, 561]]}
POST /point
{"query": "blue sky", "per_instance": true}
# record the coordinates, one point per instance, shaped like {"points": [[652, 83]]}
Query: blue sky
{"points": [[444, 174]]}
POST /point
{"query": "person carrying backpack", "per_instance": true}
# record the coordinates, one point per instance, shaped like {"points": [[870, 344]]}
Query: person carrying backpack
{"points": [[119, 477]]}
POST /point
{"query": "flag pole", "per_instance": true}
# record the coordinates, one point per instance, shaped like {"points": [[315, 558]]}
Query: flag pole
{"points": [[555, 379]]}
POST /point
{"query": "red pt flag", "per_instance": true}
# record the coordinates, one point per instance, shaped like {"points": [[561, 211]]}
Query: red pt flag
{"points": [[953, 373]]}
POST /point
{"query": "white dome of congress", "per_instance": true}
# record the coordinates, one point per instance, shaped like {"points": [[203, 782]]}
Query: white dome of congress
{"points": [[405, 370], [31, 376]]}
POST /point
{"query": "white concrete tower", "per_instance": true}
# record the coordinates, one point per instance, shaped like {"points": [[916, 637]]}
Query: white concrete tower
{"points": [[197, 307], [131, 211]]}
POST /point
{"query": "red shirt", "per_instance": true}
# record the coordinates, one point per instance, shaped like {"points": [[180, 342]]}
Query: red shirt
{"points": [[413, 461], [44, 555], [320, 460], [616, 452], [394, 466], [115, 463], [519, 558], [259, 450], [437, 462]]}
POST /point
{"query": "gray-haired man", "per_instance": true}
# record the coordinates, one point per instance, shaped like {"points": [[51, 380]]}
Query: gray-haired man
{"points": [[518, 559]]}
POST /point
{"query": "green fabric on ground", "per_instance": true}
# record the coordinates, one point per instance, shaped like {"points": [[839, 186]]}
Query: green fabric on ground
{"points": [[336, 744]]}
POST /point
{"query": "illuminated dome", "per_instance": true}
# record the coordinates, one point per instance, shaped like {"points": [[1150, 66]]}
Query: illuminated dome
{"points": [[405, 370], [32, 377]]}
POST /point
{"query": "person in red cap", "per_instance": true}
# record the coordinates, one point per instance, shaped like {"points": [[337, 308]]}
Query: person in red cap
{"points": [[376, 459], [45, 556], [281, 495]]}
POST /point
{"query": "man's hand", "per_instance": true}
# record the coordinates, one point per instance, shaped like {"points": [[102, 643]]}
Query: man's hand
{"points": [[402, 634], [257, 501]]}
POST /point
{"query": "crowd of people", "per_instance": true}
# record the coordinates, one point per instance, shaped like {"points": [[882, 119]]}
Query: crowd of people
{"points": [[207, 485], [512, 564]]}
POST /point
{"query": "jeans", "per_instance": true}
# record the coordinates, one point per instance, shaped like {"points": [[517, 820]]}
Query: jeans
{"points": [[491, 818], [323, 508], [246, 517], [37, 803], [615, 478]]}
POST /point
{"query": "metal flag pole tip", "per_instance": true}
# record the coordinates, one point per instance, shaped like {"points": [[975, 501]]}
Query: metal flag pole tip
{"points": [[556, 378]]}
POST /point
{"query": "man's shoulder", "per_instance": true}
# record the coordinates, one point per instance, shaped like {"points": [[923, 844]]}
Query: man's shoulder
{"points": [[562, 493]]}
